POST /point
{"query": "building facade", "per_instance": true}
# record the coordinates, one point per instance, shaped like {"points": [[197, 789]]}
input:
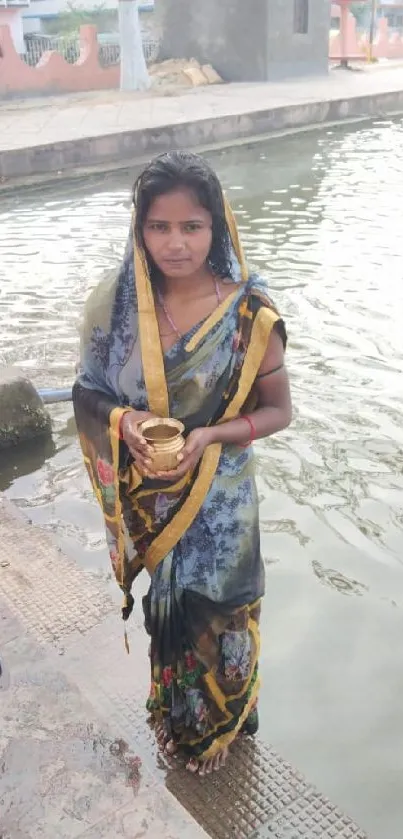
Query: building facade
{"points": [[248, 40], [40, 11], [11, 15]]}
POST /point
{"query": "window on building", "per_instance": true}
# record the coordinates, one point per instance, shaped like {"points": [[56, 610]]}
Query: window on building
{"points": [[301, 17]]}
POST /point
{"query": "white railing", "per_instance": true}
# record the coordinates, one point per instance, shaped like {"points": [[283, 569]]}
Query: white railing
{"points": [[69, 48], [109, 54]]}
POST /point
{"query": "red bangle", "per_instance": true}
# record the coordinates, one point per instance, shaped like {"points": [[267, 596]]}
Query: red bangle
{"points": [[252, 432]]}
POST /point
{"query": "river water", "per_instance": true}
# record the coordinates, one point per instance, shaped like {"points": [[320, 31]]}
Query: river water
{"points": [[320, 214]]}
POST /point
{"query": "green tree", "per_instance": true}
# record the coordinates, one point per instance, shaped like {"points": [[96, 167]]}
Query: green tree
{"points": [[360, 12]]}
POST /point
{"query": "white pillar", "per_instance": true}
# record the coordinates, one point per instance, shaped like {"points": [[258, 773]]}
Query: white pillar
{"points": [[133, 68]]}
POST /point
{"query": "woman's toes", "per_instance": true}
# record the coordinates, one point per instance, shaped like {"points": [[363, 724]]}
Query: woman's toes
{"points": [[171, 748], [217, 763], [161, 736], [206, 767], [193, 766], [223, 757]]}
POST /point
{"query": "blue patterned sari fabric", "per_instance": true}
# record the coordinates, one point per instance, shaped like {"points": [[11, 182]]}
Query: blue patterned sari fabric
{"points": [[198, 539]]}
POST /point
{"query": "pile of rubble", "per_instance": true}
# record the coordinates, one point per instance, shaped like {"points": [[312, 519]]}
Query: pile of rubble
{"points": [[184, 73]]}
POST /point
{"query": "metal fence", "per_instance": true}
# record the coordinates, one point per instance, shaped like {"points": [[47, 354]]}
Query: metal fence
{"points": [[69, 48], [38, 44], [110, 53]]}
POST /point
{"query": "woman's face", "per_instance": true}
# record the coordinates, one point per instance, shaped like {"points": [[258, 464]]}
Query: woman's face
{"points": [[178, 233]]}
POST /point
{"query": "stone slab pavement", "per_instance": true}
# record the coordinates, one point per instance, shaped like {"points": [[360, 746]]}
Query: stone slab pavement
{"points": [[61, 118], [81, 130], [77, 758]]}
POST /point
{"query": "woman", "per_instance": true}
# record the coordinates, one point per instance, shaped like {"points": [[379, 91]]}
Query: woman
{"points": [[182, 331]]}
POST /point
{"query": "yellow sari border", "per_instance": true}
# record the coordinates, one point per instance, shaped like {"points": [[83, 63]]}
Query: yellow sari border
{"points": [[210, 322], [236, 242], [226, 739], [155, 381], [168, 490], [261, 331], [222, 308], [151, 349], [222, 700], [173, 531], [114, 423]]}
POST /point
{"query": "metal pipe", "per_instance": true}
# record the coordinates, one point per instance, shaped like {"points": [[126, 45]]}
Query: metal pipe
{"points": [[51, 395]]}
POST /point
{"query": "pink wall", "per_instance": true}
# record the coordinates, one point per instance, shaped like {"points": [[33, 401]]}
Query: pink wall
{"points": [[53, 74], [387, 44]]}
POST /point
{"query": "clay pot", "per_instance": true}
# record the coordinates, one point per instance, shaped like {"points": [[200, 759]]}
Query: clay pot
{"points": [[165, 438]]}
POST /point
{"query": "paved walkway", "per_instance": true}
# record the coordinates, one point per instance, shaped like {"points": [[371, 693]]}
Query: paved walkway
{"points": [[76, 756], [88, 129], [66, 770]]}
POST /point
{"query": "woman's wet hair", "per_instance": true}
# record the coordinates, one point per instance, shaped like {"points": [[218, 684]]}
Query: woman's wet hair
{"points": [[176, 170]]}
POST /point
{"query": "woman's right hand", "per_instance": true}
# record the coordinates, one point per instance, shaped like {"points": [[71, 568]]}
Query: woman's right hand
{"points": [[135, 442]]}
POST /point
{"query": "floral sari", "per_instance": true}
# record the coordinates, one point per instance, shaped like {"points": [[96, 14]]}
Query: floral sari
{"points": [[198, 538]]}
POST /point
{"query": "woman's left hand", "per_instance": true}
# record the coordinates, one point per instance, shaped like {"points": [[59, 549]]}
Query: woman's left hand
{"points": [[190, 455]]}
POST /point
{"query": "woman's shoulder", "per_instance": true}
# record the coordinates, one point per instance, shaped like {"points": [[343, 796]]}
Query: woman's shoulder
{"points": [[259, 287], [99, 304]]}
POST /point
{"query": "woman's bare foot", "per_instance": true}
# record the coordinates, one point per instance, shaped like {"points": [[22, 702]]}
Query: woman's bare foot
{"points": [[171, 748], [206, 767], [161, 735], [166, 744]]}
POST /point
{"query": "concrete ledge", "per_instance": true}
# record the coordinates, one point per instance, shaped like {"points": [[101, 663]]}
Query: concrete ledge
{"points": [[115, 148]]}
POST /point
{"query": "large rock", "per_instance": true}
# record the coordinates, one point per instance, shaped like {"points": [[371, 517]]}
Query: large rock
{"points": [[23, 415]]}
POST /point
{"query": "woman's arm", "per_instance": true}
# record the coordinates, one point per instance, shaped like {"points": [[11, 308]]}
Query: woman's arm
{"points": [[98, 405], [93, 402], [274, 410]]}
